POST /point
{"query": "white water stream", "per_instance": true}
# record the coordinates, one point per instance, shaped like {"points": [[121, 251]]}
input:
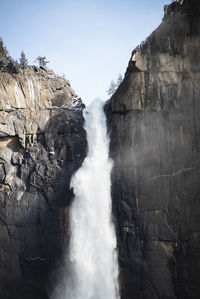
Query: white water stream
{"points": [[92, 254]]}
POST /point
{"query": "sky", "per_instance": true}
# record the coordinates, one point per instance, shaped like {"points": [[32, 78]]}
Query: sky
{"points": [[88, 41]]}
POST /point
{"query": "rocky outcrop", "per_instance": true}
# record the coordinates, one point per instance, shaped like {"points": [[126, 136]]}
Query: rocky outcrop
{"points": [[42, 142], [34, 88], [154, 121]]}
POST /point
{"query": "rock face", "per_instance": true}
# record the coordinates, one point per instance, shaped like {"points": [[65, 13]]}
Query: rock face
{"points": [[35, 88], [42, 142], [154, 122]]}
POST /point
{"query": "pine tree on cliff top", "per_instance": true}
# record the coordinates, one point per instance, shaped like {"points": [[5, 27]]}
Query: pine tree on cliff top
{"points": [[23, 60], [119, 79], [113, 86], [42, 60], [3, 50]]}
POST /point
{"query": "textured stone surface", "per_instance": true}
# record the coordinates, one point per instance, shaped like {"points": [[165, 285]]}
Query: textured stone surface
{"points": [[154, 121], [34, 88], [41, 145]]}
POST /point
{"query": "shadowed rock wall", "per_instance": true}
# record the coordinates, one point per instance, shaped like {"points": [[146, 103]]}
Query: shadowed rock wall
{"points": [[154, 122]]}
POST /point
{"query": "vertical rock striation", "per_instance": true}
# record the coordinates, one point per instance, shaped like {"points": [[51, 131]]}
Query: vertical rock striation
{"points": [[154, 121], [42, 142]]}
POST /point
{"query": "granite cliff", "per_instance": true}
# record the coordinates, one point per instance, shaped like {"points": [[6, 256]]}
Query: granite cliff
{"points": [[154, 122], [42, 142]]}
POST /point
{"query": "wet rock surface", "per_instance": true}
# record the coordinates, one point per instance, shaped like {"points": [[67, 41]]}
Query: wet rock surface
{"points": [[154, 123], [42, 143]]}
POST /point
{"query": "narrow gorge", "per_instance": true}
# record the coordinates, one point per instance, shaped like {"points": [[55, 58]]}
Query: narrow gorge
{"points": [[153, 122]]}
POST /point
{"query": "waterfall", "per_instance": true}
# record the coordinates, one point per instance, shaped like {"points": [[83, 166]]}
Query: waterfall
{"points": [[92, 252]]}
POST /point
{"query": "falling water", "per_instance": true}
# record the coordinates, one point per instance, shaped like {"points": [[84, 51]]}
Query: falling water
{"points": [[92, 255]]}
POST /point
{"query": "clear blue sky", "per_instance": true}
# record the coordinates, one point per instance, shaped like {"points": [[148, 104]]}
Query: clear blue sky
{"points": [[89, 41]]}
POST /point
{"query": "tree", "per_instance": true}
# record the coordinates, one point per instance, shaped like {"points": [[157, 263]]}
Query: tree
{"points": [[42, 60], [113, 86], [12, 66], [3, 50], [119, 79], [111, 90], [23, 60], [7, 63]]}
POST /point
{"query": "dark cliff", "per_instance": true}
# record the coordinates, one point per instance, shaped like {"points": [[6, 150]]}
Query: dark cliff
{"points": [[42, 142], [154, 122]]}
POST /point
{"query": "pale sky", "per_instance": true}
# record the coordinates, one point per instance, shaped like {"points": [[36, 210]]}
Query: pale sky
{"points": [[87, 40]]}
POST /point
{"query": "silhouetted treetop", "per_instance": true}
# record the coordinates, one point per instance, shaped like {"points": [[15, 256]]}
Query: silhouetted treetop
{"points": [[42, 60]]}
